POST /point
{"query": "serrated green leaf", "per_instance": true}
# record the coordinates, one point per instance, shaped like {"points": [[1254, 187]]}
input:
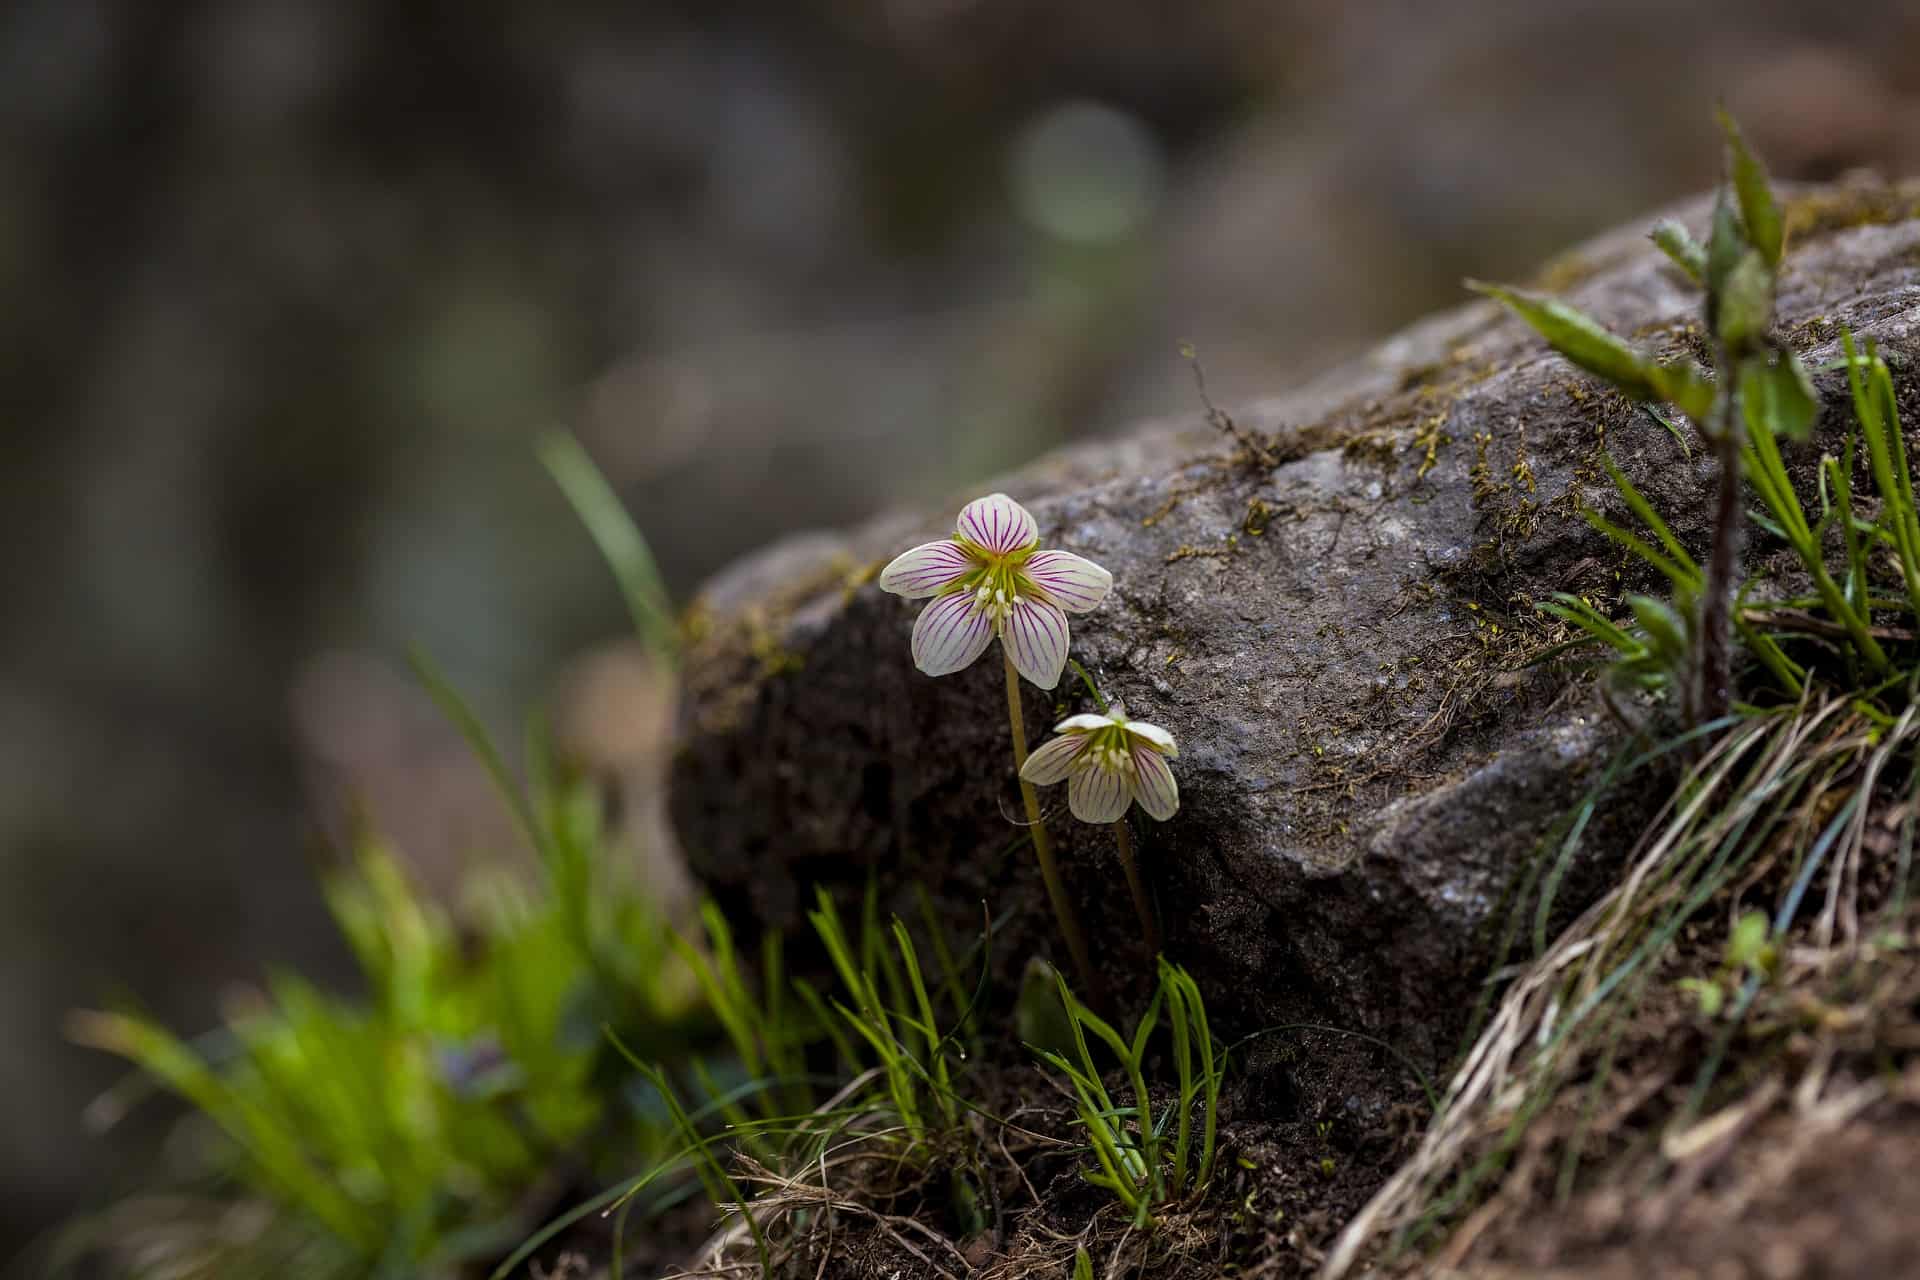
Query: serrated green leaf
{"points": [[1777, 397], [1580, 338], [1765, 229], [1678, 244], [1746, 300]]}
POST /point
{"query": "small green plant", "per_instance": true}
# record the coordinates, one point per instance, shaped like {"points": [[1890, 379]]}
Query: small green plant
{"points": [[1756, 391], [1757, 394], [891, 1010], [769, 1037], [1137, 1160], [1750, 952], [1791, 642]]}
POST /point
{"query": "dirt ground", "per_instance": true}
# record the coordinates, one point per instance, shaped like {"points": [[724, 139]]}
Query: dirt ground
{"points": [[1804, 1164], [1841, 1204]]}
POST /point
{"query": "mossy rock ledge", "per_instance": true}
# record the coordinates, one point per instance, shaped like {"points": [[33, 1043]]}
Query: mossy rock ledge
{"points": [[1331, 614]]}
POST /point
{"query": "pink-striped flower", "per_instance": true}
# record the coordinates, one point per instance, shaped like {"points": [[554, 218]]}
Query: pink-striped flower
{"points": [[992, 579], [1108, 762]]}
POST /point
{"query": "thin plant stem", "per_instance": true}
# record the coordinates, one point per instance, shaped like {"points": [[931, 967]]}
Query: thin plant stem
{"points": [[1713, 692], [1123, 841], [1042, 846]]}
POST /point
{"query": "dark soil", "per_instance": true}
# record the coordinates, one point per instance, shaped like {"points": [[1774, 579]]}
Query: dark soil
{"points": [[1839, 1208]]}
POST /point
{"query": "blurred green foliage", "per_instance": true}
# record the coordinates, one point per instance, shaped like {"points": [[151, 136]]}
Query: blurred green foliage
{"points": [[417, 1125]]}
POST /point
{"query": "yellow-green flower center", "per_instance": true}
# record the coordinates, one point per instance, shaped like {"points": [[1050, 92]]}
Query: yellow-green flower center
{"points": [[999, 582], [1110, 749]]}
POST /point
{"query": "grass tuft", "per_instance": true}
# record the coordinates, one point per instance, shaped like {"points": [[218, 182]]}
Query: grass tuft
{"points": [[1134, 1161]]}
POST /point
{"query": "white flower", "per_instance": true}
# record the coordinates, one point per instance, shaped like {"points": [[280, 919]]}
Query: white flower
{"points": [[992, 579], [1108, 762]]}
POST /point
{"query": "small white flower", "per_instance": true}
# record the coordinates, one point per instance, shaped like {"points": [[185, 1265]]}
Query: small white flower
{"points": [[992, 579], [1108, 762]]}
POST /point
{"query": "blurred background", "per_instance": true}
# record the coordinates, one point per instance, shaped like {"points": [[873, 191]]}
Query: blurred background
{"points": [[291, 285]]}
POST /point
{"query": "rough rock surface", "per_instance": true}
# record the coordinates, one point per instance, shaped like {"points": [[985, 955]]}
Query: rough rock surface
{"points": [[1330, 613]]}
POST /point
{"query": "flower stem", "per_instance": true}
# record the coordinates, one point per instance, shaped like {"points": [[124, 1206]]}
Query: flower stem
{"points": [[1043, 847], [1123, 841]]}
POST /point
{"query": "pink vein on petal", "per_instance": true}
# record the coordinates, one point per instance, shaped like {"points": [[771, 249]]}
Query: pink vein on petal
{"points": [[1072, 582], [1054, 761], [1097, 795], [927, 569], [1036, 633], [998, 523], [1154, 786], [951, 633]]}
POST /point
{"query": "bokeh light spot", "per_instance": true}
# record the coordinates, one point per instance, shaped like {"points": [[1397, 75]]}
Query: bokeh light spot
{"points": [[1086, 172]]}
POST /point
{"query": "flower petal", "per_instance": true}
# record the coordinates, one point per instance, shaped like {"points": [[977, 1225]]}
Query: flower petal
{"points": [[1086, 722], [1153, 784], [1073, 583], [1035, 633], [998, 523], [1054, 761], [927, 570], [1098, 795], [1158, 738], [951, 633]]}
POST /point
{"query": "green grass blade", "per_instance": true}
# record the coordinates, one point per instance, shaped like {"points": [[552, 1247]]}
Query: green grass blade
{"points": [[480, 742], [1178, 1025], [1675, 572], [936, 1058], [1638, 504], [619, 539]]}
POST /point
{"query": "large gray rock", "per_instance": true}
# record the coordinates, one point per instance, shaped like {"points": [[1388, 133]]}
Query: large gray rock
{"points": [[1330, 616]]}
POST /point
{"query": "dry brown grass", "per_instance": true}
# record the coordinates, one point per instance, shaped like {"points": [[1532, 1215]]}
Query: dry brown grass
{"points": [[1596, 1079]]}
